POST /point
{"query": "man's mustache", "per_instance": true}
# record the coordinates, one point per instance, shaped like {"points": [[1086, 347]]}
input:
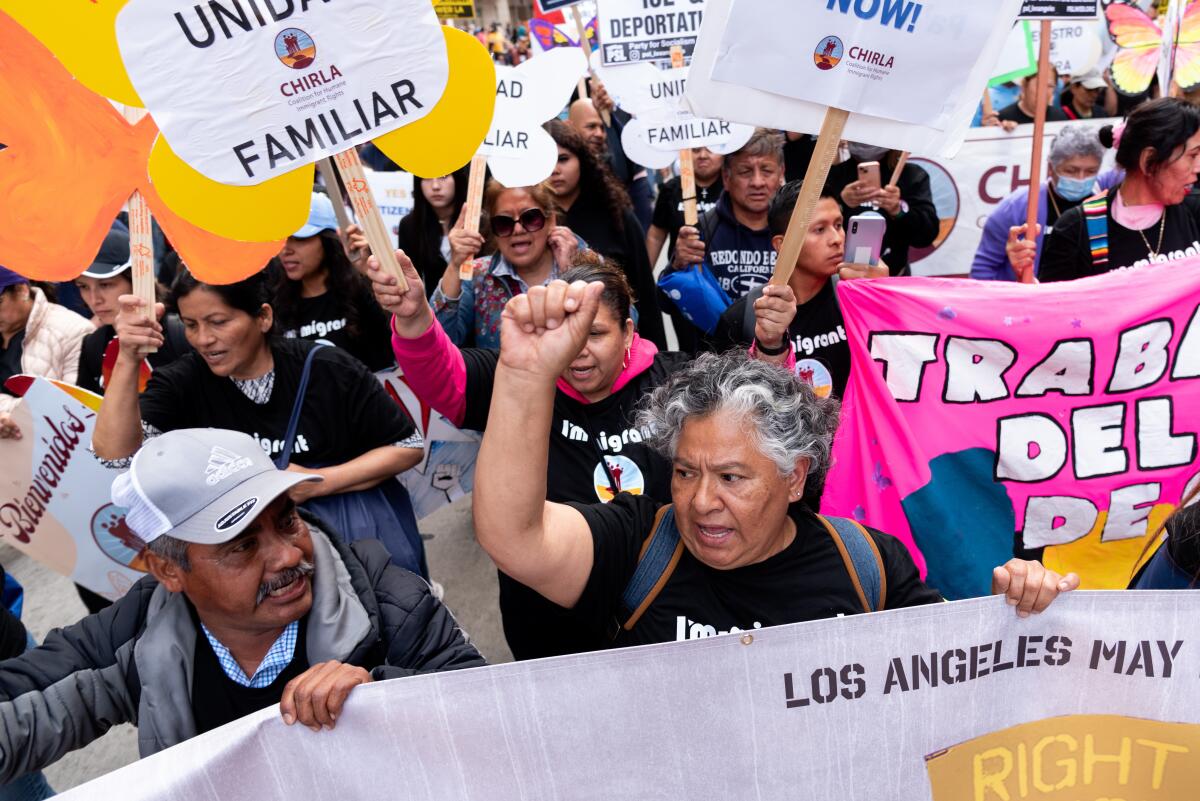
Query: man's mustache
{"points": [[284, 578]]}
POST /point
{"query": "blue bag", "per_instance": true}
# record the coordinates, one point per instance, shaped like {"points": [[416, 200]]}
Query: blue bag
{"points": [[697, 295], [12, 595]]}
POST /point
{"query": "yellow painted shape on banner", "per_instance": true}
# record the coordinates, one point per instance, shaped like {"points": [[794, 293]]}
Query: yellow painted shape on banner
{"points": [[1104, 565], [447, 137], [84, 38], [274, 209], [1072, 758]]}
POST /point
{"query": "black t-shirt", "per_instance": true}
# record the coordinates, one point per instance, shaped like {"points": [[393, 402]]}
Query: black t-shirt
{"points": [[534, 627], [807, 580], [817, 332], [1013, 113], [1067, 252], [346, 410], [322, 319], [668, 209], [10, 358], [91, 352], [218, 699]]}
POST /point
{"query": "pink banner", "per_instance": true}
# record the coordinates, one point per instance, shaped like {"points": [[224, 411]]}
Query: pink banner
{"points": [[983, 416]]}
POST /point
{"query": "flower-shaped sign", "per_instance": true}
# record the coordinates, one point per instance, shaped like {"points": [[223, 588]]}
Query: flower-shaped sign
{"points": [[71, 140], [519, 151], [663, 124]]}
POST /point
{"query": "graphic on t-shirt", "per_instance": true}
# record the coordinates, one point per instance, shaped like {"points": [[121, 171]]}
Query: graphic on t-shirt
{"points": [[816, 375], [626, 475]]}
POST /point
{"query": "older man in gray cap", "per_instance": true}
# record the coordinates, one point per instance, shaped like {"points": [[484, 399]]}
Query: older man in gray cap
{"points": [[247, 605]]}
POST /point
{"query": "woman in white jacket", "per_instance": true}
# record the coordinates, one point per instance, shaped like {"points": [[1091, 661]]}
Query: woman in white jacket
{"points": [[37, 337]]}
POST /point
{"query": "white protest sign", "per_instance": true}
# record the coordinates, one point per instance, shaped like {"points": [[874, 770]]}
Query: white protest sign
{"points": [[447, 472], [244, 92], [519, 151], [646, 30], [911, 74], [663, 124], [55, 501], [1075, 46], [393, 191], [880, 706]]}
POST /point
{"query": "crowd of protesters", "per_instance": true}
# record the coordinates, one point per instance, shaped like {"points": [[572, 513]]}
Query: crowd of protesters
{"points": [[257, 461]]}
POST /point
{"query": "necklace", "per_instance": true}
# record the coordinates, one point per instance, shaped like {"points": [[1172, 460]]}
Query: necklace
{"points": [[1162, 225], [1053, 201]]}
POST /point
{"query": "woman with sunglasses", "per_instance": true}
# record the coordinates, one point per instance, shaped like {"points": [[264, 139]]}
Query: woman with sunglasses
{"points": [[531, 250], [596, 449]]}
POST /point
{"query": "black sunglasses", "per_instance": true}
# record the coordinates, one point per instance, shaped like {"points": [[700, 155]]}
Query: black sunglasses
{"points": [[532, 220]]}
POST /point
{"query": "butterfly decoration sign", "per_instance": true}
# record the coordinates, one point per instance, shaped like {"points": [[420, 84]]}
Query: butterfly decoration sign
{"points": [[224, 225], [1167, 46], [519, 151], [550, 35]]}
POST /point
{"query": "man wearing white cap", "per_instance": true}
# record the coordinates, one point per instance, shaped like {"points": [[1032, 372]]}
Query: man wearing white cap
{"points": [[247, 605]]}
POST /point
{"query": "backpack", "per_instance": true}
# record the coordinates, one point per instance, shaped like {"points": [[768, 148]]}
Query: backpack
{"points": [[663, 549]]}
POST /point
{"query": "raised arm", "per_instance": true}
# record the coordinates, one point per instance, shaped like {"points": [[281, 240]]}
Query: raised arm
{"points": [[545, 546], [119, 424]]}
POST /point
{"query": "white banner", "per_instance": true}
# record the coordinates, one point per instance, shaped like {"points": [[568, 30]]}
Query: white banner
{"points": [[646, 30], [834, 710], [967, 188], [55, 501], [244, 92], [910, 73], [519, 151], [393, 191]]}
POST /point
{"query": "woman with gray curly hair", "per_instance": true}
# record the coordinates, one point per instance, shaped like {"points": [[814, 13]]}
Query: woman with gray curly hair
{"points": [[1005, 250], [737, 548]]}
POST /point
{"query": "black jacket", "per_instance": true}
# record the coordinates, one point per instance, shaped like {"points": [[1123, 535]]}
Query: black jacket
{"points": [[916, 228], [132, 662]]}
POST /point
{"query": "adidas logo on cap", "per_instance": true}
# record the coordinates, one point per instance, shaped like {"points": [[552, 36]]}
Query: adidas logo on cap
{"points": [[223, 463]]}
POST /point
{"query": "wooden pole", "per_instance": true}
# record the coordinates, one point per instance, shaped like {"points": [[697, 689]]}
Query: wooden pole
{"points": [[473, 207], [141, 240], [899, 168], [1041, 99], [810, 193], [587, 54], [329, 175], [367, 211], [687, 172]]}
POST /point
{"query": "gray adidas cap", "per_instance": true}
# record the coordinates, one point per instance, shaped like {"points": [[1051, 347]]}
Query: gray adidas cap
{"points": [[201, 485]]}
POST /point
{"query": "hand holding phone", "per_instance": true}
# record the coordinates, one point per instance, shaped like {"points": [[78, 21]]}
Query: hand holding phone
{"points": [[864, 238]]}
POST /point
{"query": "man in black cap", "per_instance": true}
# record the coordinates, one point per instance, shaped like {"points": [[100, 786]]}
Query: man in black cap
{"points": [[105, 280]]}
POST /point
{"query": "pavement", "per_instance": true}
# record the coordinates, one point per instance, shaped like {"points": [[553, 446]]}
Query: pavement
{"points": [[455, 561]]}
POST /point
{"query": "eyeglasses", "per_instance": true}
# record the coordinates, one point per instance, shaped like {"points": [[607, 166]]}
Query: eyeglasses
{"points": [[532, 220]]}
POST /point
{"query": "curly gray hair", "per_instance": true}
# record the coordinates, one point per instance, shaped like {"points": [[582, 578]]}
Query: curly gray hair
{"points": [[790, 422], [1075, 140]]}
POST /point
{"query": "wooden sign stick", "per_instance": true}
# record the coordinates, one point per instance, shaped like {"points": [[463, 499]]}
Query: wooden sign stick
{"points": [[1039, 128], [141, 241], [367, 211], [810, 192], [334, 190], [587, 54], [899, 168], [687, 172], [473, 207]]}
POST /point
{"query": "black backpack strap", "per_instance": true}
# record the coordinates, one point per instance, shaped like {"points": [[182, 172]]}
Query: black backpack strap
{"points": [[660, 554], [863, 561], [289, 439]]}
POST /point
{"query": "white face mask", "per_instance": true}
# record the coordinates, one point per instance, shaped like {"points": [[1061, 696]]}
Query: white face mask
{"points": [[867, 152]]}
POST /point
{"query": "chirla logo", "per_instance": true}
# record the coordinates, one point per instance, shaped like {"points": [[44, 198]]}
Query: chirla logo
{"points": [[295, 48], [828, 53]]}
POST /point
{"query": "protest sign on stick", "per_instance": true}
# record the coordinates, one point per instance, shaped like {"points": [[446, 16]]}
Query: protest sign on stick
{"points": [[632, 31], [1041, 98], [334, 189], [141, 241], [367, 212], [687, 171], [473, 206]]}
